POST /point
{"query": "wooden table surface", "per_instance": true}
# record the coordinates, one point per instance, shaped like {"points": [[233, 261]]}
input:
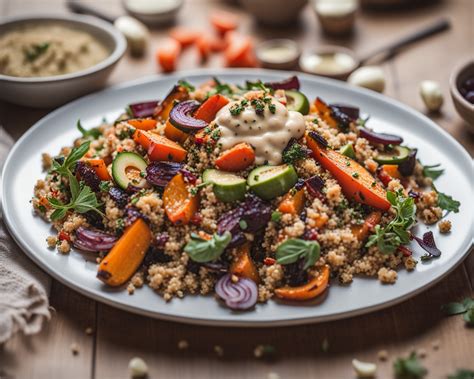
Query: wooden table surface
{"points": [[415, 324]]}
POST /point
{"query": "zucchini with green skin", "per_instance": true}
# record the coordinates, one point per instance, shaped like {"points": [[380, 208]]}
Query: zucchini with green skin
{"points": [[396, 155], [269, 182], [127, 169], [348, 150], [296, 101], [227, 186]]}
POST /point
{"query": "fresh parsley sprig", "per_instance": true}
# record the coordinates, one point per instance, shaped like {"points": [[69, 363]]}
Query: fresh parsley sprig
{"points": [[409, 367], [466, 308], [187, 85], [295, 249], [462, 374], [432, 171], [65, 169], [202, 250], [446, 202], [93, 133], [396, 233]]}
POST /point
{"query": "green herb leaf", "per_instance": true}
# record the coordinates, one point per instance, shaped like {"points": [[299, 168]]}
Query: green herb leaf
{"points": [[453, 308], [469, 316], [243, 224], [446, 202], [258, 85], [201, 250], [294, 249], [187, 85], [294, 153], [223, 89], [462, 374], [276, 216], [432, 172], [396, 232], [76, 154], [409, 368], [93, 133], [36, 51]]}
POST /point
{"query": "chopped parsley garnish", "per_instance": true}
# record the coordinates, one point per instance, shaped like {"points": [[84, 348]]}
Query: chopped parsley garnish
{"points": [[238, 108], [223, 89], [432, 171], [36, 51], [396, 233], [187, 85], [446, 202], [409, 368], [93, 133], [355, 174], [276, 216], [466, 308], [294, 153]]}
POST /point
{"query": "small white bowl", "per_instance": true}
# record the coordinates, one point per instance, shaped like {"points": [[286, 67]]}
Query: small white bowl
{"points": [[165, 16], [51, 91], [274, 12]]}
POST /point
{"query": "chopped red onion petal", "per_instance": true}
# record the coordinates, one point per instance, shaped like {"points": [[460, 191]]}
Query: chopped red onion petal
{"points": [[428, 244], [239, 295]]}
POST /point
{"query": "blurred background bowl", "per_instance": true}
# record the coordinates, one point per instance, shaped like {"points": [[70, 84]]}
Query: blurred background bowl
{"points": [[459, 76], [51, 91], [274, 12]]}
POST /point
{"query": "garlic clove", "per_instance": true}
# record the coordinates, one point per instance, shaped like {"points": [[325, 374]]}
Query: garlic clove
{"points": [[136, 33], [364, 369], [371, 77], [137, 367], [431, 95]]}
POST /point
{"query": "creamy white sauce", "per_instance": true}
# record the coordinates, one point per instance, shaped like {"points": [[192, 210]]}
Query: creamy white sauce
{"points": [[329, 63], [268, 134]]}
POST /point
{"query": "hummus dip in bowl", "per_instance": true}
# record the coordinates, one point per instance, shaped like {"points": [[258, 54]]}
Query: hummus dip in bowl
{"points": [[46, 61]]}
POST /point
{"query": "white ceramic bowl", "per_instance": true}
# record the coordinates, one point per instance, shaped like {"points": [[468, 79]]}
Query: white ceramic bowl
{"points": [[274, 12], [165, 16], [51, 91]]}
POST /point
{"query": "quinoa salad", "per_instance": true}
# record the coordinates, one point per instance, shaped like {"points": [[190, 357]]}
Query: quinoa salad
{"points": [[249, 192]]}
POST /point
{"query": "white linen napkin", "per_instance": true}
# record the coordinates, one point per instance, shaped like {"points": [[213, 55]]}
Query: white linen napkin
{"points": [[24, 288]]}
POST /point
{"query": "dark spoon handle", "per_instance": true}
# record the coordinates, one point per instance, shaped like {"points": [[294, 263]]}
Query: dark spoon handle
{"points": [[78, 7], [392, 49]]}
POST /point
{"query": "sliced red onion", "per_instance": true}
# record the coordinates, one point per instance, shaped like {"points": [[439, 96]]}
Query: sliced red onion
{"points": [[160, 173], [290, 83], [145, 109], [181, 116], [407, 167], [240, 295], [319, 139], [93, 240], [350, 111], [428, 244], [382, 138]]}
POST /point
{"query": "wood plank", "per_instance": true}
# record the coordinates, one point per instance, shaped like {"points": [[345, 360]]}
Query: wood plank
{"points": [[48, 354]]}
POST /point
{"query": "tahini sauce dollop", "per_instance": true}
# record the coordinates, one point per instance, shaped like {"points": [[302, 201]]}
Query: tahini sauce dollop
{"points": [[268, 133]]}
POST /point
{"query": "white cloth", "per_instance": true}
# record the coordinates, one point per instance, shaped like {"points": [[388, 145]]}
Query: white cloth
{"points": [[24, 288]]}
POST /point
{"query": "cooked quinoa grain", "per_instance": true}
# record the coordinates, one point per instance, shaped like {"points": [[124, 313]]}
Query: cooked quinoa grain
{"points": [[444, 226]]}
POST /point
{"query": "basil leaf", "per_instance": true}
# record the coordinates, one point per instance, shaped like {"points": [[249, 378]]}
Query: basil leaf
{"points": [[76, 154], [201, 250], [446, 202], [294, 249], [453, 308], [58, 214]]}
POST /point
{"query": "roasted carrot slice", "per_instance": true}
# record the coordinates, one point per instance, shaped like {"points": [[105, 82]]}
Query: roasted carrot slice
{"points": [[392, 170], [100, 168], [224, 22], [310, 290], [361, 232], [356, 182], [238, 158], [178, 93], [159, 147], [143, 123], [179, 204], [208, 110], [237, 50], [243, 264], [127, 254], [185, 36], [167, 54], [324, 112], [174, 134], [292, 203]]}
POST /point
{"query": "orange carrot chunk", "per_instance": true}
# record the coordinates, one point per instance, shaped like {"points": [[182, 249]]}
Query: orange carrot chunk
{"points": [[127, 254], [238, 158], [361, 232], [356, 182], [143, 123], [324, 112], [292, 203], [224, 22], [185, 36], [310, 290], [392, 170], [208, 110], [159, 148], [100, 168], [179, 204], [167, 54], [178, 93], [174, 134], [243, 265]]}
